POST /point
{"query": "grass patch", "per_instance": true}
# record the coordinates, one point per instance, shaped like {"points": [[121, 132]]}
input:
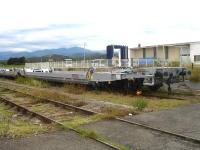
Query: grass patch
{"points": [[16, 127], [78, 121], [195, 75], [75, 89], [92, 134], [12, 66], [50, 94], [111, 113], [19, 128], [140, 104], [4, 127], [154, 104], [40, 107], [157, 105], [4, 113], [32, 82], [88, 133], [20, 95]]}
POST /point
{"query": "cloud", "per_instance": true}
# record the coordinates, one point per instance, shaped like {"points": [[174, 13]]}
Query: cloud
{"points": [[42, 38], [35, 24], [50, 27]]}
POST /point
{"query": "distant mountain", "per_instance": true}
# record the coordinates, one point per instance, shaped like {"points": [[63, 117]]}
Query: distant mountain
{"points": [[56, 57], [46, 58], [70, 52]]}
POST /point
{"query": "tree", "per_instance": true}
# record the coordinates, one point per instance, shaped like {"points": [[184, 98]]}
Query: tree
{"points": [[16, 61]]}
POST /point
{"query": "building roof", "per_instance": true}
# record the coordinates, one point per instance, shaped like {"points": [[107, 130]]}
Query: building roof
{"points": [[159, 45]]}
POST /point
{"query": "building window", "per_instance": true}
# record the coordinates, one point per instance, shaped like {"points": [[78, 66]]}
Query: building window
{"points": [[166, 52], [185, 54], [144, 53], [196, 58], [154, 52]]}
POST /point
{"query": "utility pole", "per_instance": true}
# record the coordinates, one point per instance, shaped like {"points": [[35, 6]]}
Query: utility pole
{"points": [[85, 44]]}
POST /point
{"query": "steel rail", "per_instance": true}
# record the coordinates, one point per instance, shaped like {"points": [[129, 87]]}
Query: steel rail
{"points": [[162, 97], [57, 103], [49, 120], [181, 136]]}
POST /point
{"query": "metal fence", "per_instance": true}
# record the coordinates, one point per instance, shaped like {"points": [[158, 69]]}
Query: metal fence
{"points": [[100, 63]]}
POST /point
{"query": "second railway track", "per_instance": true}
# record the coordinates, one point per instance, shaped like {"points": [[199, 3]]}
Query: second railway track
{"points": [[146, 94]]}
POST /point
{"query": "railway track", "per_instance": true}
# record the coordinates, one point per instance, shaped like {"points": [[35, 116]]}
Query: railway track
{"points": [[53, 112], [165, 97], [87, 112], [47, 100], [176, 96], [146, 95], [180, 136]]}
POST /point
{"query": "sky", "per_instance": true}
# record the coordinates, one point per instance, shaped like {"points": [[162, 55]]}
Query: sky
{"points": [[29, 25]]}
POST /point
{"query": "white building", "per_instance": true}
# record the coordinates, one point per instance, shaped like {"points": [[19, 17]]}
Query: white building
{"points": [[195, 52], [188, 52]]}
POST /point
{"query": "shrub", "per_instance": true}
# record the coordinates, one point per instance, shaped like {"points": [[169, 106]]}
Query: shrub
{"points": [[75, 89], [88, 133], [195, 74], [4, 127], [174, 64], [140, 104], [32, 82]]}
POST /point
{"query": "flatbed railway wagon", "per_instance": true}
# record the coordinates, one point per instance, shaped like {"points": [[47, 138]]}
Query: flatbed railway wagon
{"points": [[122, 77], [127, 79]]}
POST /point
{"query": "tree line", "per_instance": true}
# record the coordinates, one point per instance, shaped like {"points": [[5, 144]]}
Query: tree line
{"points": [[23, 60], [16, 61]]}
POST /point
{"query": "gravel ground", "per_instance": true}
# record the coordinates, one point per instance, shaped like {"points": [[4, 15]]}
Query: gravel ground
{"points": [[184, 87], [184, 120], [193, 85], [52, 141], [136, 137], [91, 104]]}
